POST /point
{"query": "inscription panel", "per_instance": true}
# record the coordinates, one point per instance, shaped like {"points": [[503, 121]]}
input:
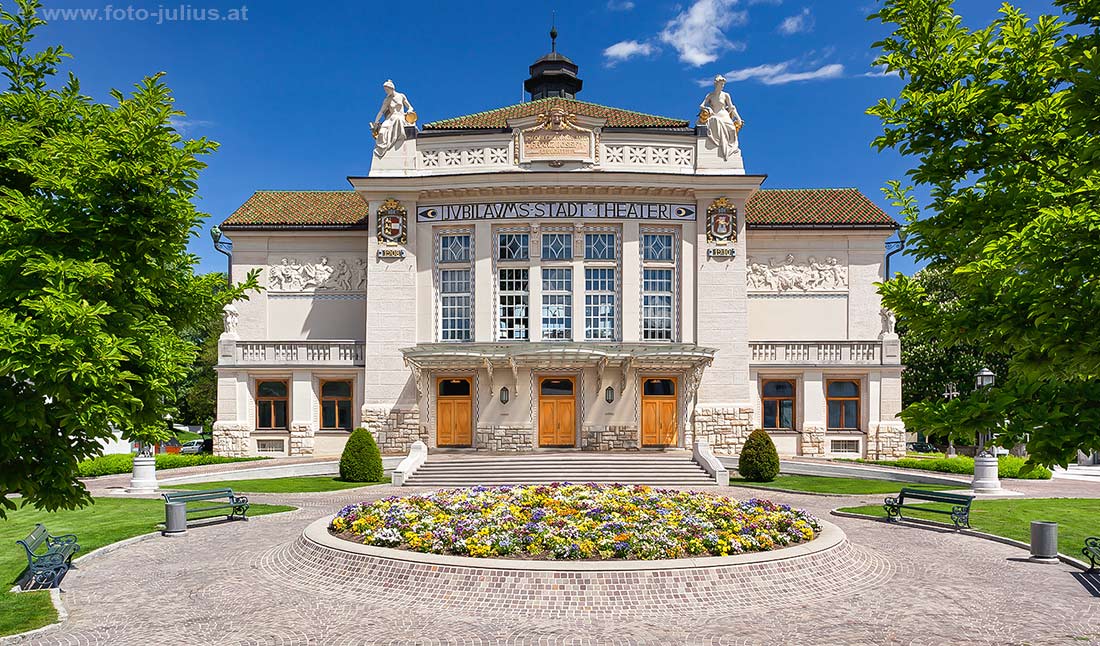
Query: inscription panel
{"points": [[551, 210]]}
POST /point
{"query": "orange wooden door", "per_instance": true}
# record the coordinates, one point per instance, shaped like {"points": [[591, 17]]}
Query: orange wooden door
{"points": [[454, 420], [557, 412], [659, 423]]}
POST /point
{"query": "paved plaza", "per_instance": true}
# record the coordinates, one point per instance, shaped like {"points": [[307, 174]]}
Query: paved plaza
{"points": [[249, 583]]}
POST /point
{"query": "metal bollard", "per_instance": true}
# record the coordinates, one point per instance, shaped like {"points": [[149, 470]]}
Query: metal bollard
{"points": [[1044, 541], [175, 518]]}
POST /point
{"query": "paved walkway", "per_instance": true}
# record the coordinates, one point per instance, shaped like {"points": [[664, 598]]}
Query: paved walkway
{"points": [[229, 584]]}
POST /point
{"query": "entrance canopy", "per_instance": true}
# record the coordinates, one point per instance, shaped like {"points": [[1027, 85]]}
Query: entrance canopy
{"points": [[676, 357]]}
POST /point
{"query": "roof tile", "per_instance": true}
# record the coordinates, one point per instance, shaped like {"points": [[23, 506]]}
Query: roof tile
{"points": [[301, 209], [498, 118]]}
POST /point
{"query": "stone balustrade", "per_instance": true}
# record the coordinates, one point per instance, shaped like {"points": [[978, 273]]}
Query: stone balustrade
{"points": [[859, 353], [291, 353]]}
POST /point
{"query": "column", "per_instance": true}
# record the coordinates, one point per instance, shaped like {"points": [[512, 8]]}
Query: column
{"points": [[631, 306]]}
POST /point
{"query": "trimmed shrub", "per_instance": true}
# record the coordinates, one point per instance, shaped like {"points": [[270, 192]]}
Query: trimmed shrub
{"points": [[1008, 466], [107, 465], [361, 460], [759, 461]]}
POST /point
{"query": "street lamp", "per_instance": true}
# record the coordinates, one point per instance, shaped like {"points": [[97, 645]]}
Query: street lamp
{"points": [[223, 245], [986, 478], [950, 393], [985, 378]]}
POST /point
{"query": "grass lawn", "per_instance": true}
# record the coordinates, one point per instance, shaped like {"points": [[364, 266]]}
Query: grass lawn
{"points": [[302, 484], [108, 521], [825, 484], [1076, 518]]}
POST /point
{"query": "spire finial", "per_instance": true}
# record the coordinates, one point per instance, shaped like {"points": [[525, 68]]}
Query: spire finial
{"points": [[553, 31]]}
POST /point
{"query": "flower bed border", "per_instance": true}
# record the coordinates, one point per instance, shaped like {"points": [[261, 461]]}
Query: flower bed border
{"points": [[830, 537]]}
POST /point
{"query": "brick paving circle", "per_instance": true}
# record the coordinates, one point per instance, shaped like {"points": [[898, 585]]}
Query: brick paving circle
{"points": [[245, 583]]}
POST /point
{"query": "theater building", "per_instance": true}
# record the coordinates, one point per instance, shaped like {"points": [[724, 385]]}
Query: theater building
{"points": [[559, 274]]}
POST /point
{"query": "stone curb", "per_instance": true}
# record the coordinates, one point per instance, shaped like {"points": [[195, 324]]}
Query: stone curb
{"points": [[55, 593], [930, 525], [830, 538]]}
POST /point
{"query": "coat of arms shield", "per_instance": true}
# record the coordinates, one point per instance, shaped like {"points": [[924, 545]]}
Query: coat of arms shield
{"points": [[722, 222], [391, 223]]}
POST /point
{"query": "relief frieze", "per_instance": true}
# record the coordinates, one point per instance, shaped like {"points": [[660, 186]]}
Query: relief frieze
{"points": [[791, 275]]}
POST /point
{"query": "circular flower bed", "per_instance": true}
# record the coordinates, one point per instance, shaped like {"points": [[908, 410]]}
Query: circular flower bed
{"points": [[575, 521]]}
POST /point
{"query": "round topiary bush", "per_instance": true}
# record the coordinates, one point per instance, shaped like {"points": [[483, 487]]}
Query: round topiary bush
{"points": [[361, 460], [759, 461]]}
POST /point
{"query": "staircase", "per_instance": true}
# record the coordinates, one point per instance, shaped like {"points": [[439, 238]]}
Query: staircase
{"points": [[664, 470]]}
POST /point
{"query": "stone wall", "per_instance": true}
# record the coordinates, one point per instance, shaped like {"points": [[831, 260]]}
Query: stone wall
{"points": [[301, 438], [886, 440], [725, 427], [813, 439], [394, 430], [505, 439], [609, 438], [231, 439]]}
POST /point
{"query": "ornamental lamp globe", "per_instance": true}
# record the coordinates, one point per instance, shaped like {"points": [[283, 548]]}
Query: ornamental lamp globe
{"points": [[985, 378]]}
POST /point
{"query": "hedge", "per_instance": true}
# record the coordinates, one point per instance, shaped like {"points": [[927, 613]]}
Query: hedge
{"points": [[759, 461], [1008, 466], [361, 460], [106, 465]]}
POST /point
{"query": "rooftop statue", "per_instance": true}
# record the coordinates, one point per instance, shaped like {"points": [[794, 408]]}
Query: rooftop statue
{"points": [[723, 123], [388, 127]]}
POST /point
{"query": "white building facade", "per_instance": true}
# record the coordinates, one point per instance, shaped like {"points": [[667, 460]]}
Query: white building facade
{"points": [[560, 274]]}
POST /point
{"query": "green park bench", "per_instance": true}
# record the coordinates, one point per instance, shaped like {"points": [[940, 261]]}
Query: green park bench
{"points": [[960, 504], [47, 568], [1092, 551], [220, 499]]}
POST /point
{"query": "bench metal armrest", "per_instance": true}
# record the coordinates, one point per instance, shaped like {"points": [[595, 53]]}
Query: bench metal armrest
{"points": [[892, 506], [240, 500], [64, 539], [1093, 542], [48, 560]]}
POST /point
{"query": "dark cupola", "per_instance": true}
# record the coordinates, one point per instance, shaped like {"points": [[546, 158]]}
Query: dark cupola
{"points": [[553, 75]]}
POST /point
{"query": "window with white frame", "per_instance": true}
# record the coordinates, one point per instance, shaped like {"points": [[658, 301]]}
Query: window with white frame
{"points": [[557, 303], [557, 246], [599, 303], [658, 286], [454, 304], [513, 292], [456, 288], [599, 246]]}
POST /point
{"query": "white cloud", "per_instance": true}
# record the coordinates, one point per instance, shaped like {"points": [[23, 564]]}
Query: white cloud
{"points": [[698, 35], [619, 5], [782, 73], [625, 50], [882, 72], [799, 23], [183, 126]]}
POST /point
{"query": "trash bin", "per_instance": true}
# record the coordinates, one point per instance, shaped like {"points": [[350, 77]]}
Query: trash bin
{"points": [[1044, 541], [175, 518]]}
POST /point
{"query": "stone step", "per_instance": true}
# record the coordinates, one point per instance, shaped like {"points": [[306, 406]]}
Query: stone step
{"points": [[461, 482], [658, 470]]}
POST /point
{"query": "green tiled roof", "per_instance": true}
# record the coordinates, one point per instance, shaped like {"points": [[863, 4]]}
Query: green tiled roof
{"points": [[813, 207], [300, 209], [498, 118], [804, 207]]}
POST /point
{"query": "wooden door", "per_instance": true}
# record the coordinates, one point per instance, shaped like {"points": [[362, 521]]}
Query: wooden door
{"points": [[454, 418], [659, 423], [557, 412]]}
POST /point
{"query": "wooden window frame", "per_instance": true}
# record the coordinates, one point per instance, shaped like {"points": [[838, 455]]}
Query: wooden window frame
{"points": [[260, 401], [350, 399], [764, 399], [857, 399]]}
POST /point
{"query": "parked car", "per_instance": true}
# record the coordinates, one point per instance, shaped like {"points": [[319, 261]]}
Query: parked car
{"points": [[922, 447], [192, 447]]}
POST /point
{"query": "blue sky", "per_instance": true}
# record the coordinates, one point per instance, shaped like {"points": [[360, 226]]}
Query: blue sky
{"points": [[288, 88]]}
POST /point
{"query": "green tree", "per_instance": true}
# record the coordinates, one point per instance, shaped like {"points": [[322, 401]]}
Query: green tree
{"points": [[1003, 125], [198, 390], [930, 365], [95, 215]]}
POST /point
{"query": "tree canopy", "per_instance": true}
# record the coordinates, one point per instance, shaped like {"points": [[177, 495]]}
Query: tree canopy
{"points": [[1003, 126], [95, 215]]}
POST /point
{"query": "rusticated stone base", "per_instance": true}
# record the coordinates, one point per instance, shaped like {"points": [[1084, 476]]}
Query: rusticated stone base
{"points": [[886, 440], [301, 438], [394, 430], [505, 439], [231, 439], [609, 438], [813, 439], [725, 427]]}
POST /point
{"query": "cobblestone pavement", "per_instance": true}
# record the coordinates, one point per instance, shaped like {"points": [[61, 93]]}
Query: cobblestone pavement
{"points": [[230, 584]]}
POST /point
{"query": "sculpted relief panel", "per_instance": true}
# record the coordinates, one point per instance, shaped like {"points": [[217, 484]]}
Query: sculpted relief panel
{"points": [[291, 275], [791, 275]]}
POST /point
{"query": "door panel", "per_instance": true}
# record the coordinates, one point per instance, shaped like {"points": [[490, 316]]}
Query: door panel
{"points": [[463, 422], [659, 422], [454, 418], [557, 413]]}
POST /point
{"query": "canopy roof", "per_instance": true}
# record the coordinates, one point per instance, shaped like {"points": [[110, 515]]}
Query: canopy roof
{"points": [[555, 354]]}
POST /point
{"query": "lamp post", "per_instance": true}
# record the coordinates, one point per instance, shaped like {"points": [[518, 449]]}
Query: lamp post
{"points": [[986, 478], [950, 393], [224, 245]]}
